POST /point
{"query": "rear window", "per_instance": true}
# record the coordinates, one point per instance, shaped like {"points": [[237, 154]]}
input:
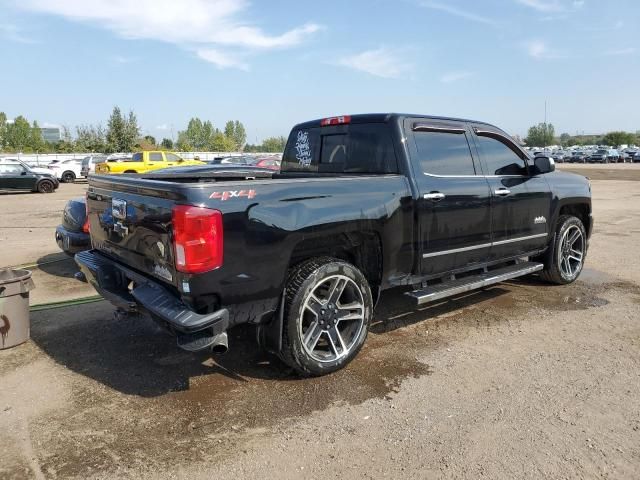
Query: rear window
{"points": [[351, 149]]}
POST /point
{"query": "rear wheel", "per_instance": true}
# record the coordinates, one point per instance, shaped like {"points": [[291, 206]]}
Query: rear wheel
{"points": [[565, 258], [45, 186], [328, 307], [68, 177]]}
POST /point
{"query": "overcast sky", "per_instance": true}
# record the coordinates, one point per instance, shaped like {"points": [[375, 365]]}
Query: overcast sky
{"points": [[274, 63]]}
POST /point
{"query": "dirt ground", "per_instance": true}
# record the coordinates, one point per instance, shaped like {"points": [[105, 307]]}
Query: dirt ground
{"points": [[522, 380]]}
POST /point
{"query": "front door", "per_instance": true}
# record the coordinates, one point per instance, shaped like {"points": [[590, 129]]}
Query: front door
{"points": [[15, 176], [520, 202], [454, 204]]}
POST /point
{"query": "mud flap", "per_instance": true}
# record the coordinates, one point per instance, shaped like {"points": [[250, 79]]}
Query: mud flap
{"points": [[270, 334]]}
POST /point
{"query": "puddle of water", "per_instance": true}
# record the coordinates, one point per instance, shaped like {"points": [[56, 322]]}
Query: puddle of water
{"points": [[595, 277]]}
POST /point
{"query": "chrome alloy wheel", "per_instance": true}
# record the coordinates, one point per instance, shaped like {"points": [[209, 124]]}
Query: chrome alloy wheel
{"points": [[571, 254], [332, 318]]}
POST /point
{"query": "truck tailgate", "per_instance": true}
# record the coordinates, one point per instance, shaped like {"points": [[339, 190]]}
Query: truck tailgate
{"points": [[134, 226]]}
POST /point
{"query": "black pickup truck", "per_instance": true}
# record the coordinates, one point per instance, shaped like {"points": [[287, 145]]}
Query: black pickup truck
{"points": [[362, 203]]}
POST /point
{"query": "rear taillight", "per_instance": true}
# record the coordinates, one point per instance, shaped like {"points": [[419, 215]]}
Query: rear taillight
{"points": [[85, 225], [341, 120], [197, 238]]}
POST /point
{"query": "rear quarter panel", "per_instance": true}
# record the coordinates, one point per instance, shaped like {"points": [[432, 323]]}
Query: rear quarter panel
{"points": [[261, 233]]}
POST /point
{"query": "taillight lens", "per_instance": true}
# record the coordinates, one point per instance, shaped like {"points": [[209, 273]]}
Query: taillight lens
{"points": [[197, 238], [85, 225]]}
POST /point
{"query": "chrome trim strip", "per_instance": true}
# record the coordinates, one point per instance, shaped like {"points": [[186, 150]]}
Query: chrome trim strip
{"points": [[475, 176], [483, 245], [455, 250], [519, 239], [424, 127]]}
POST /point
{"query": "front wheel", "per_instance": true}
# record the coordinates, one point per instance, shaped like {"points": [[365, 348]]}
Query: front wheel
{"points": [[566, 255], [45, 186], [68, 177], [328, 307]]}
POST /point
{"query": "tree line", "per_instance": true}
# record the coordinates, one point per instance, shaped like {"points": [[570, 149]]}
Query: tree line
{"points": [[543, 134], [122, 134]]}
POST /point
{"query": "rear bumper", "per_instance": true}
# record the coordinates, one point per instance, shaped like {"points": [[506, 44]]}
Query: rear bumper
{"points": [[71, 242], [112, 281]]}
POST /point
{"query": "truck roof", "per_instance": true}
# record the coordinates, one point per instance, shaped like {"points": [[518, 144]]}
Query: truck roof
{"points": [[386, 117]]}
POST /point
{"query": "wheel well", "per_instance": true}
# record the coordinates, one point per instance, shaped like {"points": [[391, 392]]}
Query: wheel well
{"points": [[361, 249], [130, 171], [580, 210], [69, 171]]}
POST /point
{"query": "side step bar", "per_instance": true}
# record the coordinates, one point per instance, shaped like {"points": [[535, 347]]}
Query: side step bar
{"points": [[472, 282]]}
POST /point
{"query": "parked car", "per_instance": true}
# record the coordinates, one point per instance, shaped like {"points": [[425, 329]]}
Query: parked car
{"points": [[142, 162], [235, 160], [578, 157], [560, 156], [17, 161], [627, 155], [613, 155], [636, 157], [599, 156], [268, 162], [89, 164], [14, 176], [67, 171], [362, 203], [72, 235]]}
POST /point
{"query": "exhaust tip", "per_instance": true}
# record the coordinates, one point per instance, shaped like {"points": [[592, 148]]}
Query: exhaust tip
{"points": [[220, 344]]}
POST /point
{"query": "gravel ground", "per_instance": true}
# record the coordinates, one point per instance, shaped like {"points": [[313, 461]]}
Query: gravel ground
{"points": [[522, 380]]}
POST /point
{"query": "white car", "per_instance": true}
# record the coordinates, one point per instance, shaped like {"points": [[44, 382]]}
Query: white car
{"points": [[67, 170], [15, 161]]}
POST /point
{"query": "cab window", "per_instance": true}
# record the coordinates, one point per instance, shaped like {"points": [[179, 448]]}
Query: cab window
{"points": [[500, 157], [444, 153], [9, 169], [156, 157], [172, 157]]}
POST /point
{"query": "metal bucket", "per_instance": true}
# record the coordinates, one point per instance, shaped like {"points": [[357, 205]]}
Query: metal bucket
{"points": [[15, 286]]}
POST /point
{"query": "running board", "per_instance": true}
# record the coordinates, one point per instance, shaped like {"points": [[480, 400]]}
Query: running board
{"points": [[472, 282]]}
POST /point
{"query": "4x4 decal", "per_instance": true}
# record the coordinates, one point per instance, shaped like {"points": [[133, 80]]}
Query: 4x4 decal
{"points": [[233, 194]]}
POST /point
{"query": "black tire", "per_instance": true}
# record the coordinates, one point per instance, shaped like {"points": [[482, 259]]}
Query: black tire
{"points": [[310, 277], [68, 177], [555, 270], [130, 171], [45, 186]]}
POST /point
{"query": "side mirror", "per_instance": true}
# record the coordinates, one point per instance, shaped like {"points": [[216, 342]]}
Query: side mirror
{"points": [[544, 165]]}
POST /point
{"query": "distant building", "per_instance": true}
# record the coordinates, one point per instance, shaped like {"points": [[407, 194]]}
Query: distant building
{"points": [[51, 135]]}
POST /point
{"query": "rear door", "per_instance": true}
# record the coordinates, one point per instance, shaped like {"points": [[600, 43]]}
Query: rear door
{"points": [[520, 202], [172, 159], [454, 205], [155, 161]]}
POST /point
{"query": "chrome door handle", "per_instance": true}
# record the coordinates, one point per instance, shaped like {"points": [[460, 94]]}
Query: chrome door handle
{"points": [[435, 196], [502, 191]]}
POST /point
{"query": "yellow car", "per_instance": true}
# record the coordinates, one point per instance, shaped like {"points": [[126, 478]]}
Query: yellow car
{"points": [[143, 162]]}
